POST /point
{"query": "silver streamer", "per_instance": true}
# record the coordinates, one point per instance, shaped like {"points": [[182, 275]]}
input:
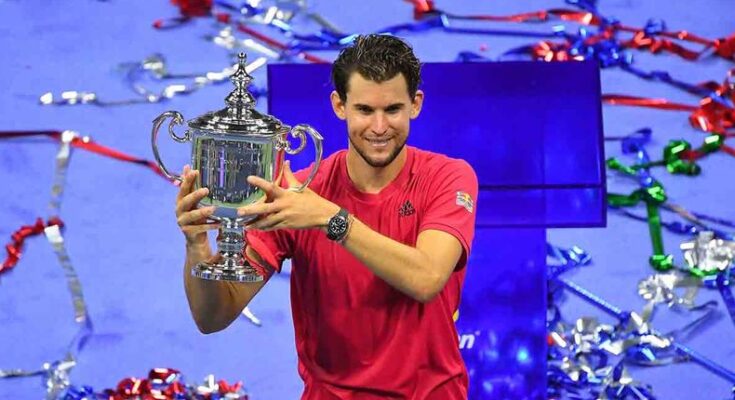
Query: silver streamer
{"points": [[279, 10], [56, 373], [707, 253], [277, 13], [251, 317], [154, 67], [667, 288], [226, 38], [586, 347], [285, 11]]}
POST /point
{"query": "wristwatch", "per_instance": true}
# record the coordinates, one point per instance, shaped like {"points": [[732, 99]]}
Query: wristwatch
{"points": [[338, 225]]}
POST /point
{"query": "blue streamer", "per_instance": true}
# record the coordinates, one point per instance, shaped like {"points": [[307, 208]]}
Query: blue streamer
{"points": [[634, 143], [722, 281], [568, 259], [586, 5]]}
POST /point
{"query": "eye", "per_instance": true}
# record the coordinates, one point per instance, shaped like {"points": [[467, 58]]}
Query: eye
{"points": [[393, 109]]}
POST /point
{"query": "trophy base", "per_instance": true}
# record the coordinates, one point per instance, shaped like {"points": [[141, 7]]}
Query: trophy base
{"points": [[225, 272]]}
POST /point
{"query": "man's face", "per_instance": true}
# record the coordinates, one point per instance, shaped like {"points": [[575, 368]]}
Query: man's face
{"points": [[378, 117]]}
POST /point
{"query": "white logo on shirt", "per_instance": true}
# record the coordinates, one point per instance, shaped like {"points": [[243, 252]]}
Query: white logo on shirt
{"points": [[464, 200]]}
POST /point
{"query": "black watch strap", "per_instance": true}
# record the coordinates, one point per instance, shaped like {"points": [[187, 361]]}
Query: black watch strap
{"points": [[338, 225]]}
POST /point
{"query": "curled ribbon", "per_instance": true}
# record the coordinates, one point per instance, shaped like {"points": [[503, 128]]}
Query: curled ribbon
{"points": [[636, 324], [57, 373], [653, 37], [163, 384], [152, 67], [708, 255], [14, 249]]}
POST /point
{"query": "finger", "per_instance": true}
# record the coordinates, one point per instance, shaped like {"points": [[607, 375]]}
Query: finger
{"points": [[258, 209], [191, 217], [190, 200], [187, 182], [216, 258], [290, 177], [276, 226], [196, 217], [178, 182], [271, 189], [267, 222], [194, 229]]}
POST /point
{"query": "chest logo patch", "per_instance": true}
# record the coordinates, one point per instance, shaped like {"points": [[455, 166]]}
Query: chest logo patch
{"points": [[406, 209], [464, 200]]}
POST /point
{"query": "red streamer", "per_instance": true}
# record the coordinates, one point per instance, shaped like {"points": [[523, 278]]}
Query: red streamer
{"points": [[85, 143], [266, 39], [188, 9], [662, 104], [165, 384], [642, 41], [14, 249], [724, 47], [193, 8], [715, 113]]}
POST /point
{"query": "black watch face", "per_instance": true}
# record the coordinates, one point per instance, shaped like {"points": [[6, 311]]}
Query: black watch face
{"points": [[337, 226]]}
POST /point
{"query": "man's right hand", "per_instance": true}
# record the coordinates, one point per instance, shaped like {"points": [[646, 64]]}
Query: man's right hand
{"points": [[193, 221]]}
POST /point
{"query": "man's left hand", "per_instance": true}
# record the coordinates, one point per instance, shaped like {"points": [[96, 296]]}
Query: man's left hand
{"points": [[287, 208]]}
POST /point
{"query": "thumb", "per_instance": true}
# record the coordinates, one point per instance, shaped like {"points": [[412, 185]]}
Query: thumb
{"points": [[288, 174]]}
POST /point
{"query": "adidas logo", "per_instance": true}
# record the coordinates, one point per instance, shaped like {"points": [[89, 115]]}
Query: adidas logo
{"points": [[406, 209]]}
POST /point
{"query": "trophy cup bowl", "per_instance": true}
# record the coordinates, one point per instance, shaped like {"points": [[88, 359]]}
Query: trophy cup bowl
{"points": [[227, 146]]}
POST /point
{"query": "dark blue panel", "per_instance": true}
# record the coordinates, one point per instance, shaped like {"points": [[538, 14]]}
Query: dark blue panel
{"points": [[501, 325], [551, 207]]}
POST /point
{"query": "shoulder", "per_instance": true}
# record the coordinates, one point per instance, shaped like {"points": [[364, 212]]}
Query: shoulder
{"points": [[327, 167], [440, 167]]}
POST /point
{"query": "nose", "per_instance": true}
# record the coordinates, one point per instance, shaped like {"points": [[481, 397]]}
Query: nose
{"points": [[379, 124]]}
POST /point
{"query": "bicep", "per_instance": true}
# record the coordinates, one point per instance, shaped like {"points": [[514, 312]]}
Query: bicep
{"points": [[443, 249]]}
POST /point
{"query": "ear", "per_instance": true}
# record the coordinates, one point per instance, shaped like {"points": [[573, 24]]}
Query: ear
{"points": [[337, 105], [418, 102]]}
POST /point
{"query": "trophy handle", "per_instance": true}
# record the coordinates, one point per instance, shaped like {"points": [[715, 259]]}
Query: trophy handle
{"points": [[300, 131], [176, 119]]}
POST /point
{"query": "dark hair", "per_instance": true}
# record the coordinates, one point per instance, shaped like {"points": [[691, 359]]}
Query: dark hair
{"points": [[377, 58]]}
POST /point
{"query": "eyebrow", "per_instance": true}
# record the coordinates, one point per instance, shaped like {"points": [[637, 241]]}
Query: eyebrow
{"points": [[394, 106]]}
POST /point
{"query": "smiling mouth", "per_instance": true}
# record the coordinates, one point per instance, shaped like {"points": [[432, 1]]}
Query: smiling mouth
{"points": [[378, 143]]}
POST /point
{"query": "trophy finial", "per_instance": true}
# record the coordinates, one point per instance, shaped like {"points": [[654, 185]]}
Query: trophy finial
{"points": [[240, 100], [239, 116]]}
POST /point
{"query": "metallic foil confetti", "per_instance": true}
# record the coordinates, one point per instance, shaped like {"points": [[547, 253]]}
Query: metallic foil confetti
{"points": [[155, 67], [648, 346], [225, 38], [708, 255], [163, 384]]}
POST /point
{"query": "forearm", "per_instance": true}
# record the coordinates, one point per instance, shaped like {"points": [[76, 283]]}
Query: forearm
{"points": [[403, 267], [213, 304], [406, 268]]}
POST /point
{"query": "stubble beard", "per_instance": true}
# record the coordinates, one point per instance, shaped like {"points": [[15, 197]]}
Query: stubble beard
{"points": [[375, 163]]}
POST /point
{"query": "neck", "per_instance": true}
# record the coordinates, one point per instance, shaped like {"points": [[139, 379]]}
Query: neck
{"points": [[369, 179]]}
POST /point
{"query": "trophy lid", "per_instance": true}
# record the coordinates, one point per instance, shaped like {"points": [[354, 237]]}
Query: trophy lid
{"points": [[240, 116]]}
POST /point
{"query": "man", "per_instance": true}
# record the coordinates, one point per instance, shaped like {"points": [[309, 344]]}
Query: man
{"points": [[378, 243]]}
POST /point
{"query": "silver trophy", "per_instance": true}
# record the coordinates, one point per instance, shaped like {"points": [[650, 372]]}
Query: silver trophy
{"points": [[227, 146]]}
